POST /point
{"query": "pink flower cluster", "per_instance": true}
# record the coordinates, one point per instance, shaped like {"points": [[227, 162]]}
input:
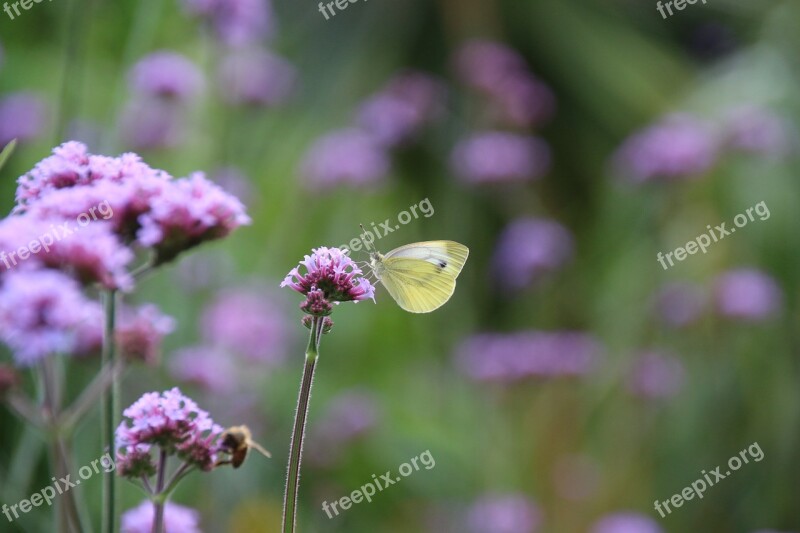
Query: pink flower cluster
{"points": [[332, 272], [170, 421]]}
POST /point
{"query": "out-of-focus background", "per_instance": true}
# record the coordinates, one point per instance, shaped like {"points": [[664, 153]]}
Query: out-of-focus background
{"points": [[572, 380]]}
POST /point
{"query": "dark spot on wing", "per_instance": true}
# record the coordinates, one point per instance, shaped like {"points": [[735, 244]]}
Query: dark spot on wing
{"points": [[442, 264]]}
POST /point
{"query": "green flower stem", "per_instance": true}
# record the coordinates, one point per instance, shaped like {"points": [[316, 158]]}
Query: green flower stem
{"points": [[296, 447], [109, 519], [159, 500]]}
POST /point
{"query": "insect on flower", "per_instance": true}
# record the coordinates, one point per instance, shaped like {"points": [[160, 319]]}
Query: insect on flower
{"points": [[237, 441]]}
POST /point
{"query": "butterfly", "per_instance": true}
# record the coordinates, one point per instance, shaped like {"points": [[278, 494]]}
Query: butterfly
{"points": [[421, 277]]}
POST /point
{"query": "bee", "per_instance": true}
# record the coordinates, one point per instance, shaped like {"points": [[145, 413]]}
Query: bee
{"points": [[237, 441]]}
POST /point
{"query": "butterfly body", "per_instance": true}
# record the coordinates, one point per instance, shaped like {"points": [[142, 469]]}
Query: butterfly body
{"points": [[421, 277]]}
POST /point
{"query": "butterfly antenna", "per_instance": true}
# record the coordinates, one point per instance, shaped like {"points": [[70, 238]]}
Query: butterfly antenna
{"points": [[367, 243]]}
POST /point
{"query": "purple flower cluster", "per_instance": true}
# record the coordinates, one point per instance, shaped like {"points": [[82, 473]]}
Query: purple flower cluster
{"points": [[680, 146], [39, 312], [500, 157], [170, 421], [515, 95], [361, 156], [235, 22], [345, 157], [332, 272], [349, 416], [679, 304], [507, 358], [209, 368], [256, 77], [149, 207], [177, 519], [503, 513], [23, 116], [656, 376], [166, 74], [626, 522], [399, 111], [748, 295], [529, 248]]}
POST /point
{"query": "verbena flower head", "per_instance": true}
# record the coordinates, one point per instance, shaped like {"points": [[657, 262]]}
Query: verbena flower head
{"points": [[500, 157], [189, 212], [528, 249], [177, 519], [402, 108], [509, 358], [757, 130], [747, 294], [680, 146], [503, 513], [626, 522], [481, 64], [655, 376], [248, 322], [150, 124], [39, 313], [170, 421], [350, 416], [23, 116], [90, 253], [679, 304], [256, 77], [210, 368], [236, 22], [347, 157], [166, 74], [141, 331], [330, 276]]}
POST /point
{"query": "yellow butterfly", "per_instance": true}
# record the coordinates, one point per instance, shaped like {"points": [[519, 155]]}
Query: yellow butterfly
{"points": [[421, 277]]}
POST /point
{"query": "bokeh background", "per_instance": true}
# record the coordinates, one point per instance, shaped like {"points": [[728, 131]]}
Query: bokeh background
{"points": [[571, 380]]}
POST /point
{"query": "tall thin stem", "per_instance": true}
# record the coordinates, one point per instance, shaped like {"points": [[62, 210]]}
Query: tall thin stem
{"points": [[109, 409], [159, 501], [296, 447]]}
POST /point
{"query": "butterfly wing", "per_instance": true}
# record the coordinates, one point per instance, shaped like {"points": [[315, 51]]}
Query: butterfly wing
{"points": [[448, 255], [421, 277]]}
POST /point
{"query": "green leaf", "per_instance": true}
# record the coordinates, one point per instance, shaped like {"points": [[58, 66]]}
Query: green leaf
{"points": [[6, 153]]}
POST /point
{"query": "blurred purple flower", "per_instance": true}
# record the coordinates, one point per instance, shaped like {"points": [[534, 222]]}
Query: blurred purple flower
{"points": [[626, 522], [149, 124], [39, 313], [504, 358], [345, 157], [23, 116], [236, 22], [482, 64], [91, 254], [760, 131], [747, 294], [349, 416], [332, 272], [256, 77], [141, 331], [506, 513], [169, 420], [679, 304], [397, 113], [234, 181], [166, 74], [522, 100], [188, 212], [248, 322], [528, 248], [177, 519], [209, 368], [655, 376], [498, 157], [680, 146]]}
